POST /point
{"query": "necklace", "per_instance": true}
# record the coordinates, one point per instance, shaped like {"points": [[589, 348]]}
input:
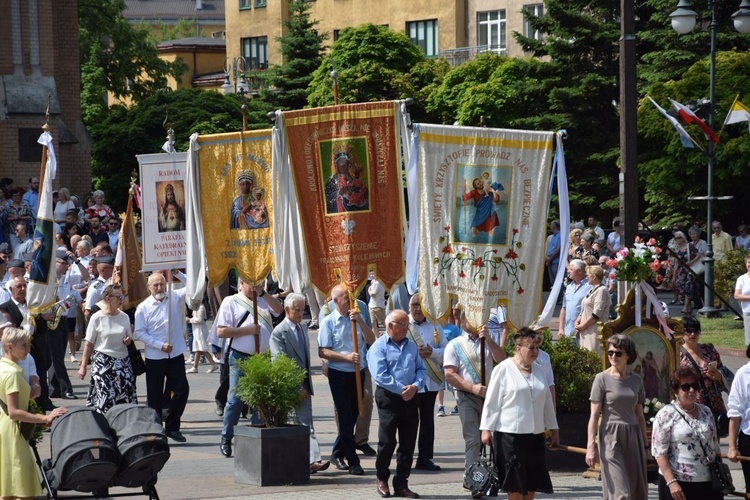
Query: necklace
{"points": [[691, 410], [522, 367]]}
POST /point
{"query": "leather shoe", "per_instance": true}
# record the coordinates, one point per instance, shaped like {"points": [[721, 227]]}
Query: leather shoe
{"points": [[219, 410], [426, 465], [339, 463], [175, 436], [69, 395], [405, 493], [226, 447], [356, 470], [319, 466], [383, 490], [367, 450]]}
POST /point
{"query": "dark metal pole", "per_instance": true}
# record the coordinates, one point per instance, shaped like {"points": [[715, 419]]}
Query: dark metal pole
{"points": [[629, 213], [708, 296]]}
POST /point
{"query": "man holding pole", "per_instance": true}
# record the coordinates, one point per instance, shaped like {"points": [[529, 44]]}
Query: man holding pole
{"points": [[463, 370], [342, 341]]}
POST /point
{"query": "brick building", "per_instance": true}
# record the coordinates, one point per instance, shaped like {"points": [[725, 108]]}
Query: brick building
{"points": [[39, 63]]}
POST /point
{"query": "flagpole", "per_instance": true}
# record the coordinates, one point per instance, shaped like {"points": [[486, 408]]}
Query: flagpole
{"points": [[256, 335], [725, 119], [355, 348]]}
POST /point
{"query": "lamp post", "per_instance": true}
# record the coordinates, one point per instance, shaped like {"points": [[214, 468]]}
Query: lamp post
{"points": [[235, 68], [683, 21]]}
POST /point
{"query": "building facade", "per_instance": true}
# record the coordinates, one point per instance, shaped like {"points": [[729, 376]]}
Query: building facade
{"points": [[39, 65], [454, 29]]}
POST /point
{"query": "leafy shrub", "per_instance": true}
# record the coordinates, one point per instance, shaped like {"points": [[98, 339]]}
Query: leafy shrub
{"points": [[727, 270], [272, 386], [574, 370]]}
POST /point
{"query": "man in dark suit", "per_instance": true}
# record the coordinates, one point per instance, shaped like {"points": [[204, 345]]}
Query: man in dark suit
{"points": [[290, 338], [16, 310]]}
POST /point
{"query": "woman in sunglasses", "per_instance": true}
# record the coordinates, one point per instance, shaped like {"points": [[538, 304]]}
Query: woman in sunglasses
{"points": [[681, 432], [617, 395], [706, 361], [108, 336]]}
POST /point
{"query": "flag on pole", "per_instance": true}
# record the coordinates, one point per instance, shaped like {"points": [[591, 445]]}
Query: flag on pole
{"points": [[128, 261], [688, 116], [685, 138], [42, 289], [737, 113]]}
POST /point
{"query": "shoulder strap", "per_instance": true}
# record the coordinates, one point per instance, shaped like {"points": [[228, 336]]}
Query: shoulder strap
{"points": [[242, 320], [697, 369], [700, 437]]}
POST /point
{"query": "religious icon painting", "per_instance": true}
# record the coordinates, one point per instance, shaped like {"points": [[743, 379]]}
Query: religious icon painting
{"points": [[344, 164], [481, 212]]}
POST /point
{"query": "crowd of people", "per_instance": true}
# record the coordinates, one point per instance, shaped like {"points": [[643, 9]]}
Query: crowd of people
{"points": [[405, 361]]}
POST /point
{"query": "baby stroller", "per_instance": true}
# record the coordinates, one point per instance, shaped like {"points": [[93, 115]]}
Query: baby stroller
{"points": [[142, 444], [84, 455]]}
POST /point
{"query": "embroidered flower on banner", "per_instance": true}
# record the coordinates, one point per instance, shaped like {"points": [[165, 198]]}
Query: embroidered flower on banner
{"points": [[478, 267]]}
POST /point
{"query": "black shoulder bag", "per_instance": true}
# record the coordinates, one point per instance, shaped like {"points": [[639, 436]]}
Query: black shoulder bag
{"points": [[721, 478], [482, 475], [720, 416]]}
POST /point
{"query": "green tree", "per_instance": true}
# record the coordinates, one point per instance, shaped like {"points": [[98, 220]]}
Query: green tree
{"points": [[125, 53], [184, 28], [126, 132], [302, 49], [371, 62]]}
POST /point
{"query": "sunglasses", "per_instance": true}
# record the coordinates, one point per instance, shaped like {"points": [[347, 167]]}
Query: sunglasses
{"points": [[692, 332], [616, 354], [694, 386]]}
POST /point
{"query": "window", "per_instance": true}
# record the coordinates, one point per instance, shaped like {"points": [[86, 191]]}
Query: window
{"points": [[424, 34], [255, 52], [491, 30], [244, 4], [336, 34], [536, 10], [28, 148], [260, 3]]}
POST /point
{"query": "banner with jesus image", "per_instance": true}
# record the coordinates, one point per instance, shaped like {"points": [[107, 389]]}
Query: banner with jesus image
{"points": [[482, 198]]}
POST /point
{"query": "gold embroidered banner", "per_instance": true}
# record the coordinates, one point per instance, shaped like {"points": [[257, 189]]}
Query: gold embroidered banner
{"points": [[234, 172], [347, 179]]}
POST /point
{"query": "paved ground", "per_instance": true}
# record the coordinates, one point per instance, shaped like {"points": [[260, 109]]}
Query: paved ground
{"points": [[197, 470]]}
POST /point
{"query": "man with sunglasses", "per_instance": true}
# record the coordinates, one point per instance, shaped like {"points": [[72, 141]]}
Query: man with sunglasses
{"points": [[399, 374], [721, 241]]}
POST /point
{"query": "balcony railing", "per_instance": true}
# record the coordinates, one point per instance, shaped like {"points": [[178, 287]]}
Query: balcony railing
{"points": [[460, 55]]}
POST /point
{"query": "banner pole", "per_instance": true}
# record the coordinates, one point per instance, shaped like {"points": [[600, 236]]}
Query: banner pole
{"points": [[355, 348], [482, 361], [256, 336]]}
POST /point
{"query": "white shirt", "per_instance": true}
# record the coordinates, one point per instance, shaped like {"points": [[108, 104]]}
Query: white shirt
{"points": [[545, 362], [450, 358], [738, 404], [113, 239], [599, 234], [229, 315], [516, 405], [95, 293], [427, 331], [743, 285], [152, 319], [106, 332], [377, 294], [66, 288]]}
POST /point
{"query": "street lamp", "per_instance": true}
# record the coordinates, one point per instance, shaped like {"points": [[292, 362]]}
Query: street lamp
{"points": [[235, 68], [683, 21]]}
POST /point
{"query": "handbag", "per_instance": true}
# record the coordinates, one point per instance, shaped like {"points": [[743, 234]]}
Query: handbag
{"points": [[27, 429], [482, 475], [727, 378], [136, 360], [698, 267], [721, 478], [720, 416]]}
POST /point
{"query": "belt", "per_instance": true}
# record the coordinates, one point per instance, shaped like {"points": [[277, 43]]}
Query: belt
{"points": [[240, 352]]}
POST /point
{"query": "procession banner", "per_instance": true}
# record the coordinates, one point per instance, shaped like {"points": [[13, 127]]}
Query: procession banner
{"points": [[128, 260], [42, 289], [483, 196], [344, 166], [232, 175], [163, 210]]}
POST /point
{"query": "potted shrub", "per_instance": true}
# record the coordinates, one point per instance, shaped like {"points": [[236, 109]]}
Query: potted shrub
{"points": [[274, 453]]}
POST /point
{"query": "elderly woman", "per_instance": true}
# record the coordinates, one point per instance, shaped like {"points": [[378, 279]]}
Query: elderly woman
{"points": [[16, 211], [63, 205], [594, 308], [588, 247], [683, 437], [742, 241], [705, 360], [617, 396], [99, 208], [739, 418], [742, 295], [18, 476], [517, 410], [107, 336], [574, 241]]}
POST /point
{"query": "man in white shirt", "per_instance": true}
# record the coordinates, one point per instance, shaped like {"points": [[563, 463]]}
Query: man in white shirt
{"points": [[159, 323], [461, 362], [235, 321], [377, 301], [594, 226], [430, 341]]}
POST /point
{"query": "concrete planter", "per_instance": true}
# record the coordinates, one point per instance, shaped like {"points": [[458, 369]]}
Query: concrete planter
{"points": [[275, 456]]}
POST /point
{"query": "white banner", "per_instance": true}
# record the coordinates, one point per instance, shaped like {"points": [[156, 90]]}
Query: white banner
{"points": [[163, 210], [483, 198]]}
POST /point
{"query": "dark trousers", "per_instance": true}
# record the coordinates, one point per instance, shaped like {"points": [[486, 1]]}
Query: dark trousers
{"points": [[692, 491], [170, 371], [57, 340], [223, 390], [743, 446], [344, 392], [426, 441], [396, 415], [40, 353]]}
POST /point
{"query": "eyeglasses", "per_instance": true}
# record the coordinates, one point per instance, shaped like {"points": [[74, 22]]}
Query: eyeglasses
{"points": [[616, 354], [118, 297], [694, 386], [692, 332]]}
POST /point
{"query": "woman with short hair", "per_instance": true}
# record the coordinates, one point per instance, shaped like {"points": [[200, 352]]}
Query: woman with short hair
{"points": [[617, 396], [594, 308]]}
